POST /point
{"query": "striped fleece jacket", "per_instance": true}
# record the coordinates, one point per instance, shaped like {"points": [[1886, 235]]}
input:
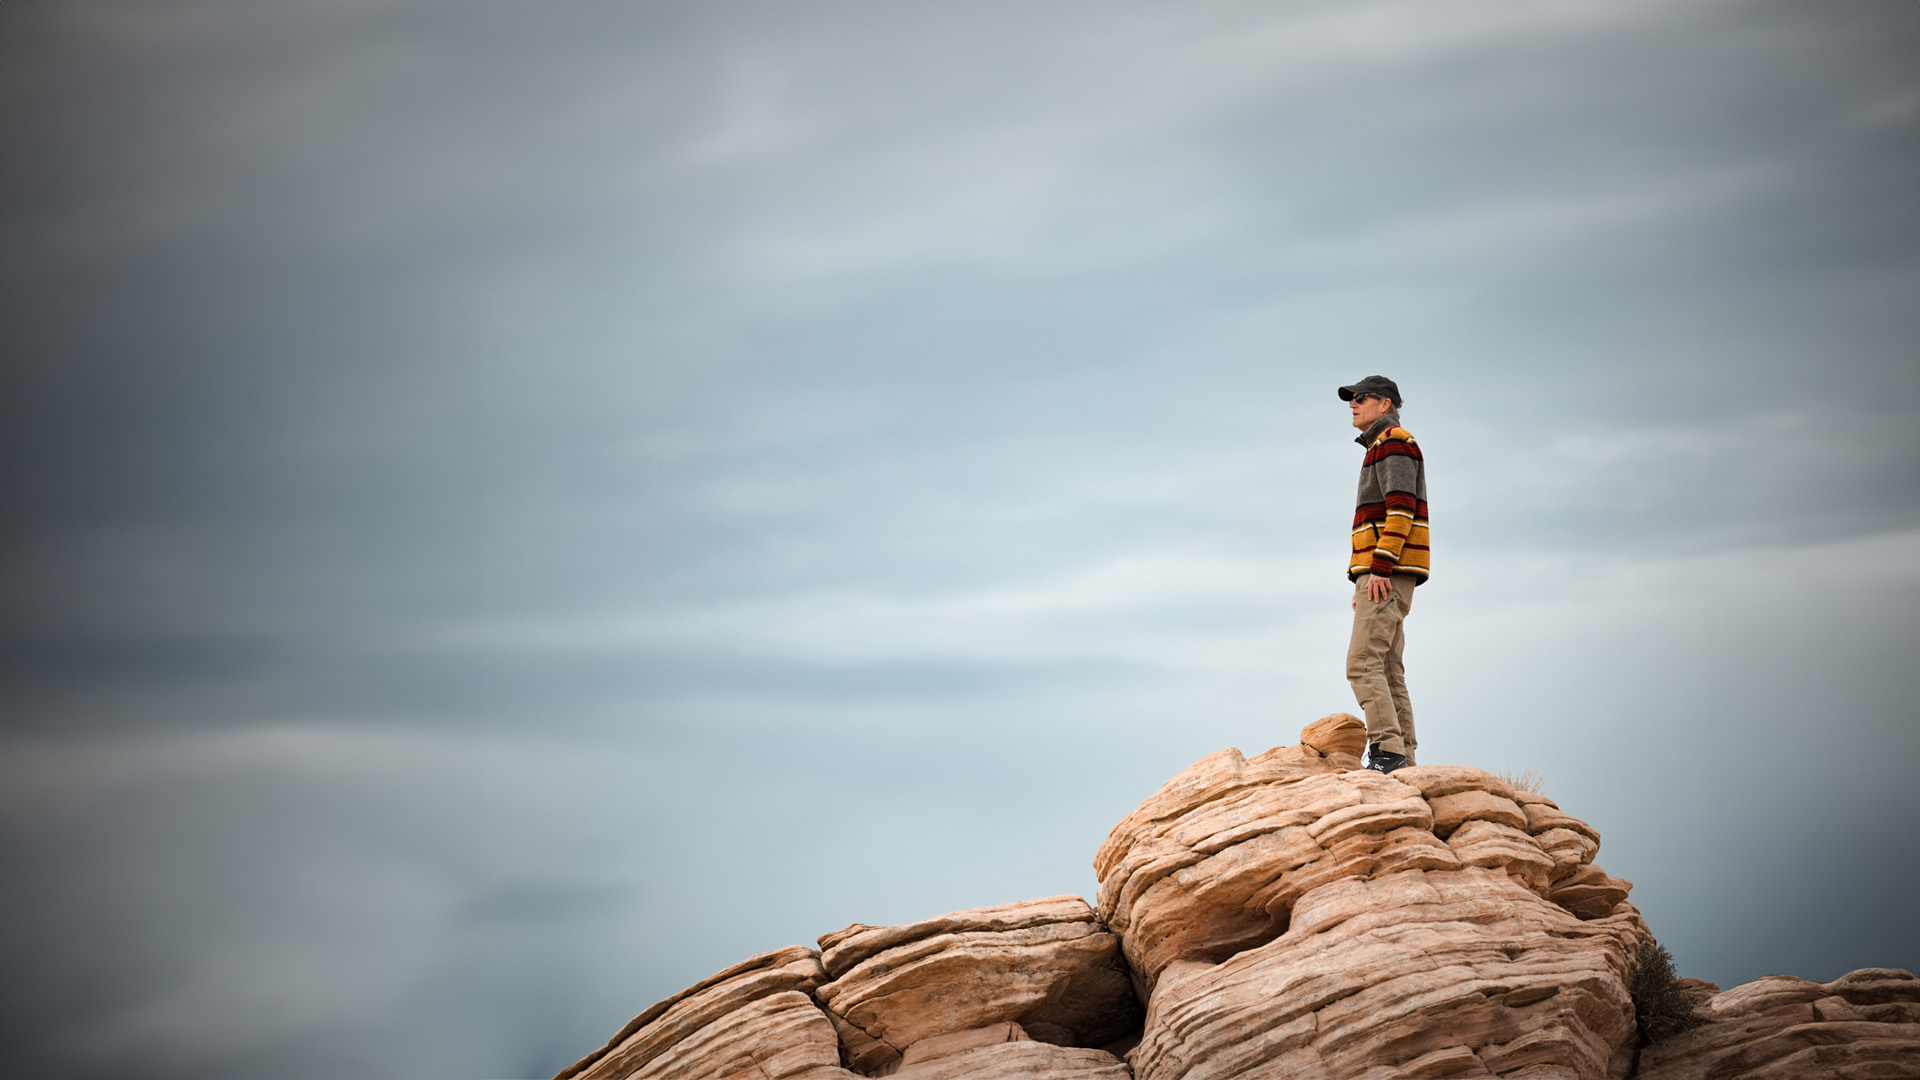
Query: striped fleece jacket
{"points": [[1390, 514]]}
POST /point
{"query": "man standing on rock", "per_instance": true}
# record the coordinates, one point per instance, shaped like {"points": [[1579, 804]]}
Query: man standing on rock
{"points": [[1390, 557]]}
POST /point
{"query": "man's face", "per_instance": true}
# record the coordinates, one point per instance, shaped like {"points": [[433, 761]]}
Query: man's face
{"points": [[1367, 408]]}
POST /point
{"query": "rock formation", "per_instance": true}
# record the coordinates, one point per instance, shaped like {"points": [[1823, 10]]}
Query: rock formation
{"points": [[755, 1018], [1863, 1024], [1351, 921], [1027, 989], [1289, 915], [1046, 965]]}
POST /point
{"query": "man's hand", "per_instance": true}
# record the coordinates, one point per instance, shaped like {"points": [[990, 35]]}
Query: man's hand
{"points": [[1378, 588]]}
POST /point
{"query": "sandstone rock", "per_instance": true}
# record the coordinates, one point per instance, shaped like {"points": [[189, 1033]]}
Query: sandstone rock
{"points": [[755, 1018], [1285, 916], [1367, 855], [1004, 1052], [1213, 778], [1212, 864], [1697, 991], [1047, 965], [958, 1042], [1502, 847], [1288, 919], [1545, 817], [1340, 737], [1589, 893], [763, 1019], [1569, 850], [860, 1051], [1417, 973], [1865, 1024], [1439, 781], [1221, 876], [1452, 811], [1022, 1061]]}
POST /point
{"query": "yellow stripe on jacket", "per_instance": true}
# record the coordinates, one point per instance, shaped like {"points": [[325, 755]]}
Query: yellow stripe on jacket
{"points": [[1390, 534]]}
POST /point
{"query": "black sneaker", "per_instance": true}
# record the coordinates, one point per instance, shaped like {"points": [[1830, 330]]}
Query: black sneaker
{"points": [[1384, 761]]}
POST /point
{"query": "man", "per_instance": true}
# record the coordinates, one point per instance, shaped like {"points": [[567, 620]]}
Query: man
{"points": [[1390, 558]]}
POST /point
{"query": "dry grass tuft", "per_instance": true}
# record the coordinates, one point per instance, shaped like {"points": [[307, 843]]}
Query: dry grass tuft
{"points": [[1526, 781]]}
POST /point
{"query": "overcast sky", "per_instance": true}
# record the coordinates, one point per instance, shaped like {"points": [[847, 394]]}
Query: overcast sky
{"points": [[511, 508]]}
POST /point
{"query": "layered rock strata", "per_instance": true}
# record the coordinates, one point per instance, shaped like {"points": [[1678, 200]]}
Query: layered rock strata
{"points": [[1004, 1052], [1032, 989], [755, 1019], [1431, 922], [1865, 1025], [1413, 973], [1285, 916], [1048, 965]]}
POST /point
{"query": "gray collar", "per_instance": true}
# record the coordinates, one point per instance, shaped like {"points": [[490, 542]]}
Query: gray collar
{"points": [[1388, 419]]}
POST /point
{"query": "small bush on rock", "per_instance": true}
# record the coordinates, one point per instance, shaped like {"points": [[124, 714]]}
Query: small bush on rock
{"points": [[1660, 1005]]}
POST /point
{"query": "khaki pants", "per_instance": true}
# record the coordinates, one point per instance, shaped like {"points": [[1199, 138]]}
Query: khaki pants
{"points": [[1374, 668]]}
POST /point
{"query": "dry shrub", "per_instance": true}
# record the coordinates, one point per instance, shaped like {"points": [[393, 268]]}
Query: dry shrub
{"points": [[1662, 1008]]}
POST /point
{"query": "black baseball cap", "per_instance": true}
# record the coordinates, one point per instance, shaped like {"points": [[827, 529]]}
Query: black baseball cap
{"points": [[1376, 385]]}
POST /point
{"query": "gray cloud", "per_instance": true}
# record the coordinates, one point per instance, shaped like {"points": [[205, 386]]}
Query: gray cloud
{"points": [[509, 510]]}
